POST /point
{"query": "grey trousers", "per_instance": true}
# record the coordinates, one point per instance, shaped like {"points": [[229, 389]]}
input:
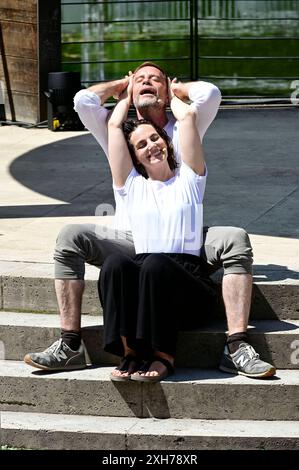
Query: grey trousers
{"points": [[224, 247]]}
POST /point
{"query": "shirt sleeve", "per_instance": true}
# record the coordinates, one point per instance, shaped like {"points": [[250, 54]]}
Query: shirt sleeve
{"points": [[124, 190], [88, 106], [195, 182], [206, 99]]}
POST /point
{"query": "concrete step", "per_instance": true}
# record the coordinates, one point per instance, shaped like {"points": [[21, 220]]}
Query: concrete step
{"points": [[276, 341], [36, 294], [52, 431], [190, 393]]}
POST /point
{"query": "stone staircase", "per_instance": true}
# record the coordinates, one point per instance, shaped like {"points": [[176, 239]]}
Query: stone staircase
{"points": [[197, 408]]}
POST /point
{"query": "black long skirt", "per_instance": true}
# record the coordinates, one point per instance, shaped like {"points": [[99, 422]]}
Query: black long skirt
{"points": [[150, 297]]}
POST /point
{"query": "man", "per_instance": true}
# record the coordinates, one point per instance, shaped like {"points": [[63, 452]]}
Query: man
{"points": [[227, 247]]}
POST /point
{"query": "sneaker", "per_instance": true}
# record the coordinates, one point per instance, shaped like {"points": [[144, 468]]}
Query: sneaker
{"points": [[57, 357], [245, 361]]}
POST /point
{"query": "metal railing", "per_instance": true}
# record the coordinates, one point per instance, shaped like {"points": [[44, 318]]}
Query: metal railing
{"points": [[105, 43]]}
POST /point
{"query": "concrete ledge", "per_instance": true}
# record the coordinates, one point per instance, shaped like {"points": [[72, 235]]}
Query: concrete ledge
{"points": [[274, 340], [190, 393], [37, 294], [64, 432], [275, 301]]}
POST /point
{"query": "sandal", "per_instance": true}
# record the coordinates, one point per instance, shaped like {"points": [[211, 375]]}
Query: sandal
{"points": [[124, 367], [154, 378]]}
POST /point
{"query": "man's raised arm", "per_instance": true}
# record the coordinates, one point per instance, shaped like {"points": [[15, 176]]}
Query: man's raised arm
{"points": [[206, 99], [88, 103], [107, 89]]}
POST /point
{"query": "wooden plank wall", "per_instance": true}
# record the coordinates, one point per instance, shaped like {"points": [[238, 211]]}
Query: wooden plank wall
{"points": [[30, 48]]}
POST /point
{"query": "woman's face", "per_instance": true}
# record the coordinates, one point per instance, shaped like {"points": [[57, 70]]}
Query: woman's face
{"points": [[150, 148]]}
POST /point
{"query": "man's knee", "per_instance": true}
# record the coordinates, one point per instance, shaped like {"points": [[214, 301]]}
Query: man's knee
{"points": [[76, 240], [69, 235], [237, 256], [238, 236], [230, 248], [235, 241], [69, 253]]}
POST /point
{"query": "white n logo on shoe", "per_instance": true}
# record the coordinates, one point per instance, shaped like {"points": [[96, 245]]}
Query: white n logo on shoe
{"points": [[248, 354], [60, 355], [241, 360]]}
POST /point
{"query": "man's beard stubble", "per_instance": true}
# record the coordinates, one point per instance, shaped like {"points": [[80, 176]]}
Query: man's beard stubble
{"points": [[144, 104]]}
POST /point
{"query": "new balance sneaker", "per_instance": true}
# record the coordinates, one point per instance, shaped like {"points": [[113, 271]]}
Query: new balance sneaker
{"points": [[57, 357], [245, 361]]}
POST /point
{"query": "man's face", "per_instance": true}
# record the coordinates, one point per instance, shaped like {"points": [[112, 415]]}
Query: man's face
{"points": [[149, 88]]}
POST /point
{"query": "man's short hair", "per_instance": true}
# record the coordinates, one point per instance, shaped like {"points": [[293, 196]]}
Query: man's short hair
{"points": [[150, 64]]}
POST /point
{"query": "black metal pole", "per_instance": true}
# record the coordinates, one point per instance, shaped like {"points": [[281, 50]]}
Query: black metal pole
{"points": [[196, 72], [191, 11], [49, 47]]}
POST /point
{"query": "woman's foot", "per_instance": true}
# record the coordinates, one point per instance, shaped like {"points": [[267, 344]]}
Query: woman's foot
{"points": [[129, 364], [159, 368]]}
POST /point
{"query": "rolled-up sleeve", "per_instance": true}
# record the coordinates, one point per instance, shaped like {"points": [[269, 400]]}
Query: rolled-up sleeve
{"points": [[94, 116], [206, 99]]}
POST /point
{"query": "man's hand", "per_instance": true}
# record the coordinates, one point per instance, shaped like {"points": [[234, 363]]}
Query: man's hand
{"points": [[127, 92], [179, 89], [120, 111], [107, 89], [120, 86]]}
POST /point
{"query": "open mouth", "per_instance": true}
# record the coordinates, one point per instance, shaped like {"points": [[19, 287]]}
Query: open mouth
{"points": [[157, 155], [147, 91]]}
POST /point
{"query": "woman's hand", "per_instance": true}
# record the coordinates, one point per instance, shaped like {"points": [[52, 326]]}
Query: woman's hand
{"points": [[179, 89], [127, 93], [130, 86], [189, 140], [171, 88], [178, 106], [120, 112]]}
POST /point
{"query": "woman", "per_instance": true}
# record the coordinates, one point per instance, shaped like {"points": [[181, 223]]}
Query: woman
{"points": [[147, 299]]}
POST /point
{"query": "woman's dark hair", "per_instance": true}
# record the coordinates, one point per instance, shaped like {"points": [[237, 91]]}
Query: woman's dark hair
{"points": [[130, 126]]}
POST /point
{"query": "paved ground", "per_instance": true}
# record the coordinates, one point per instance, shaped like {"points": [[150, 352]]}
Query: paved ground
{"points": [[49, 179]]}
